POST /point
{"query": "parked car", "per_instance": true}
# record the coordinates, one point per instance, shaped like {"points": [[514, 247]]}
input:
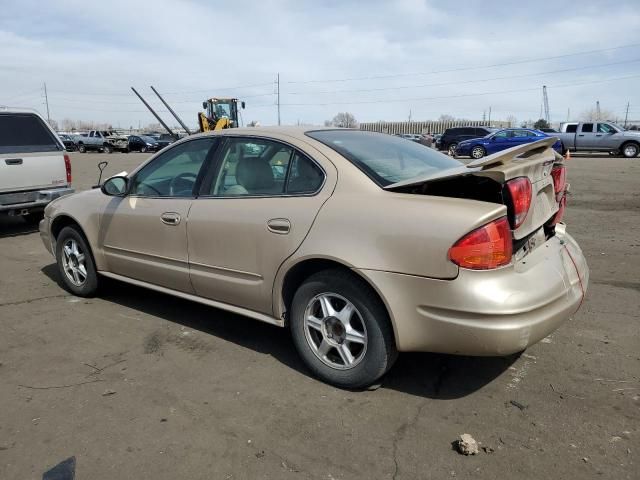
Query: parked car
{"points": [[501, 140], [142, 143], [367, 244], [34, 168], [452, 136], [548, 130], [68, 141], [599, 137]]}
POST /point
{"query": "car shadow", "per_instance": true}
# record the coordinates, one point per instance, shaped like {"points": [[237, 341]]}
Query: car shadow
{"points": [[429, 375], [15, 227]]}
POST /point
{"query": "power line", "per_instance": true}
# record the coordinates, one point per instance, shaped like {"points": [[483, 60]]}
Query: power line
{"points": [[440, 84], [459, 69], [460, 95]]}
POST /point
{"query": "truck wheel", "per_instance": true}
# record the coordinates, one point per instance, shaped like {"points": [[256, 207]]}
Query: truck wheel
{"points": [[82, 148], [342, 330], [75, 263], [143, 150], [630, 150], [108, 148]]}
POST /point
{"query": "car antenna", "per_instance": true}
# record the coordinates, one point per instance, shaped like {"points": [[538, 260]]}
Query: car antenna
{"points": [[101, 167]]}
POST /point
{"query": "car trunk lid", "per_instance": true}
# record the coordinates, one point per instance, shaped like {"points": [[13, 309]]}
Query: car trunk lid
{"points": [[488, 179]]}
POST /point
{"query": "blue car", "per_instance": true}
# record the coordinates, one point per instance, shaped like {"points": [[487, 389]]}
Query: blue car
{"points": [[501, 140]]}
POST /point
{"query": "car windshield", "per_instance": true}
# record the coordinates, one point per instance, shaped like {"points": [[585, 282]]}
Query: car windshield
{"points": [[148, 139], [386, 159]]}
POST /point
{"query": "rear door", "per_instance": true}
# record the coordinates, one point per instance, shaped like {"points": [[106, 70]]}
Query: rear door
{"points": [[252, 214], [31, 156], [586, 137]]}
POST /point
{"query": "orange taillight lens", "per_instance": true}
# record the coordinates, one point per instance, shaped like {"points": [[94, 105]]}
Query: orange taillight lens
{"points": [[487, 247]]}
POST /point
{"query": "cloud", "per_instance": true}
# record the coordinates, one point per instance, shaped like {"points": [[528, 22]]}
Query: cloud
{"points": [[90, 56]]}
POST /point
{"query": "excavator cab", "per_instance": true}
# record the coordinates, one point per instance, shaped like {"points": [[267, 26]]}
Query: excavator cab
{"points": [[219, 113]]}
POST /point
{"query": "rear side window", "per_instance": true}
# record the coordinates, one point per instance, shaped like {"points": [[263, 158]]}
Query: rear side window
{"points": [[25, 133], [572, 128], [386, 159]]}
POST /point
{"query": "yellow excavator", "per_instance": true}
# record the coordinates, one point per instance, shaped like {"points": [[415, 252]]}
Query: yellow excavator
{"points": [[219, 113]]}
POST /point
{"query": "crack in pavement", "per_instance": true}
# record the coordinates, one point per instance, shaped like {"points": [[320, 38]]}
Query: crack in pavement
{"points": [[31, 300]]}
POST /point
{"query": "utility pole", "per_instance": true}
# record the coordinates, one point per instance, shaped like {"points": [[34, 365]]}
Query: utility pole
{"points": [[46, 100], [568, 114], [409, 115], [278, 85], [597, 109], [626, 115], [484, 116], [489, 115]]}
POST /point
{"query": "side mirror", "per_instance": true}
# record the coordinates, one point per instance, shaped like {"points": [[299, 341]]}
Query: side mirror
{"points": [[115, 186], [204, 106], [242, 105]]}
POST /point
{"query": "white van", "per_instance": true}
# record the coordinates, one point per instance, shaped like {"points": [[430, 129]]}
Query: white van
{"points": [[34, 167]]}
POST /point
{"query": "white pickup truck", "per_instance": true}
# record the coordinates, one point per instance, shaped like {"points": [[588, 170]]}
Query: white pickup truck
{"points": [[102, 140], [34, 167]]}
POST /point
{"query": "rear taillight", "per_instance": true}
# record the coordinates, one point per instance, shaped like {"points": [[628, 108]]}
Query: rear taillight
{"points": [[559, 175], [485, 248], [520, 191], [67, 167]]}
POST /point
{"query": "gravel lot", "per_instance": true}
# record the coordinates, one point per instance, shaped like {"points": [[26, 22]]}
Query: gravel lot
{"points": [[178, 390]]}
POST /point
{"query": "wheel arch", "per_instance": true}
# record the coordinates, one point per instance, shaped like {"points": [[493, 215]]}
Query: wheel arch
{"points": [[62, 221], [300, 271]]}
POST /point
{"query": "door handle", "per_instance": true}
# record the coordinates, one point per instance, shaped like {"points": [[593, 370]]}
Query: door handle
{"points": [[581, 135], [280, 226], [170, 218], [13, 161]]}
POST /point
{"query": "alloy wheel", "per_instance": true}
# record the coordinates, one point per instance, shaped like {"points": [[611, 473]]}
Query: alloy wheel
{"points": [[73, 262], [630, 151], [335, 331], [477, 152]]}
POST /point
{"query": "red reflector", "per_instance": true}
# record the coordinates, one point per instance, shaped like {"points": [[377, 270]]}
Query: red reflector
{"points": [[559, 174], [67, 167], [484, 248], [520, 190]]}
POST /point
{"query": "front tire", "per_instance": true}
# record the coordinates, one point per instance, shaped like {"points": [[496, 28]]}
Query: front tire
{"points": [[478, 152], [108, 148], [630, 150], [143, 150], [452, 149], [75, 263], [341, 330]]}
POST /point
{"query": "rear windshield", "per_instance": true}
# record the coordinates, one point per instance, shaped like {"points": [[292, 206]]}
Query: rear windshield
{"points": [[386, 159], [24, 133]]}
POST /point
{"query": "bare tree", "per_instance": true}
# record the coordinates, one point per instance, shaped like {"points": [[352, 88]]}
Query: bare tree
{"points": [[592, 114], [512, 120], [53, 124], [446, 118], [344, 120]]}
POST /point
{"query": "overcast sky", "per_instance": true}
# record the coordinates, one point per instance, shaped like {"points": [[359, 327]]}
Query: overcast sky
{"points": [[377, 59]]}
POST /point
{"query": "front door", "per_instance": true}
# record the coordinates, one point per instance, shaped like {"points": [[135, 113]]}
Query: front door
{"points": [[144, 234], [254, 212]]}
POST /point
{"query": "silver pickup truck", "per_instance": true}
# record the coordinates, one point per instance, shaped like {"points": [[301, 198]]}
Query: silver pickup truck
{"points": [[102, 140], [599, 136]]}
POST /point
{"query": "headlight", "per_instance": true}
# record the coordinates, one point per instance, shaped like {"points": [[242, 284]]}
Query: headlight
{"points": [[149, 145]]}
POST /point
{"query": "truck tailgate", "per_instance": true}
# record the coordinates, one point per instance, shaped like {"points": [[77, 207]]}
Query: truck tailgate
{"points": [[31, 171]]}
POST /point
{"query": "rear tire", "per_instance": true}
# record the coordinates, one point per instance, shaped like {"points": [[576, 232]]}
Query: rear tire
{"points": [[143, 150], [630, 150], [75, 263], [82, 148], [452, 149], [342, 330], [108, 148]]}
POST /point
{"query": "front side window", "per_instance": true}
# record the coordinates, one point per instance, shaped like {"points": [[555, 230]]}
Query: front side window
{"points": [[174, 173], [503, 134], [386, 159], [587, 128], [605, 128]]}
